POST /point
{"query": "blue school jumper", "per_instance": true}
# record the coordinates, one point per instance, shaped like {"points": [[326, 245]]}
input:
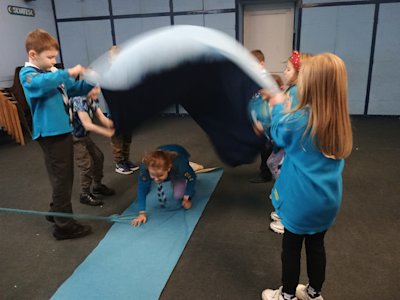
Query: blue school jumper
{"points": [[307, 194], [180, 170]]}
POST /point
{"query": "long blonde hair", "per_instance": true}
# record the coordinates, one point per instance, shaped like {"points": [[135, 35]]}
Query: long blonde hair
{"points": [[322, 86]]}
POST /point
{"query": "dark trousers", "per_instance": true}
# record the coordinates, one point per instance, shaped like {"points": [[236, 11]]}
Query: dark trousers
{"points": [[121, 145], [90, 160], [265, 153], [59, 159], [291, 254]]}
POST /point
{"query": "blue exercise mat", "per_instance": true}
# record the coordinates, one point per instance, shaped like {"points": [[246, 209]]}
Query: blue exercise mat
{"points": [[136, 262]]}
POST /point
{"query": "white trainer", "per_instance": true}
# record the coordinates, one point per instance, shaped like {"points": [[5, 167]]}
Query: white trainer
{"points": [[301, 293], [277, 227], [274, 216], [269, 294]]}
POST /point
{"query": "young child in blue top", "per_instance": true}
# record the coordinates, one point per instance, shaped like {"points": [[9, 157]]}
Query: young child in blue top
{"points": [[275, 160], [88, 156], [316, 136], [47, 90], [168, 162]]}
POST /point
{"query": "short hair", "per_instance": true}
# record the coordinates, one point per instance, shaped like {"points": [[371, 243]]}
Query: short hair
{"points": [[278, 80], [159, 159], [40, 40], [259, 55]]}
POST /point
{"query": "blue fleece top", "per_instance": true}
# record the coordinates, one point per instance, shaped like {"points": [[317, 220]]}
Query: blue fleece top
{"points": [[41, 88], [308, 192], [180, 170]]}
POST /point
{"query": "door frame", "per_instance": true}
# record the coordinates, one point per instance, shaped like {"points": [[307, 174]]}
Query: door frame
{"points": [[240, 6]]}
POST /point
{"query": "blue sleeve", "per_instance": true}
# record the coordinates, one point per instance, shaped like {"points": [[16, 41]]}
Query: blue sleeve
{"points": [[144, 183], [39, 83], [285, 124], [181, 165], [77, 88]]}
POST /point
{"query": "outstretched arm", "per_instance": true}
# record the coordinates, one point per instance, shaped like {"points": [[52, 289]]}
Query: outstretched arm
{"points": [[90, 126]]}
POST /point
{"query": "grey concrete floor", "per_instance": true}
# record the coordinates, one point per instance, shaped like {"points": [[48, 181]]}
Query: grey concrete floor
{"points": [[231, 254]]}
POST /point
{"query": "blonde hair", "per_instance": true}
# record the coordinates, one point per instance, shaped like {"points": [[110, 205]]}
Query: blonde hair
{"points": [[159, 159], [322, 86], [40, 40]]}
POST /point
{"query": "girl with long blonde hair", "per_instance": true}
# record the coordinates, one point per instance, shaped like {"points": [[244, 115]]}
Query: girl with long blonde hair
{"points": [[316, 136]]}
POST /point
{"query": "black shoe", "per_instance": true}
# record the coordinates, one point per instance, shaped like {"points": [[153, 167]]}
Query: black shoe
{"points": [[261, 178], [90, 199], [103, 190], [75, 231], [50, 219]]}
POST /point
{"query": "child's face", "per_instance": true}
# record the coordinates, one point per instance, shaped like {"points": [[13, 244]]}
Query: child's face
{"points": [[290, 74], [44, 60], [158, 174]]}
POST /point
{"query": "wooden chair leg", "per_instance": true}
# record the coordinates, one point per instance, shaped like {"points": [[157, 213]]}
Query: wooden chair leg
{"points": [[18, 130]]}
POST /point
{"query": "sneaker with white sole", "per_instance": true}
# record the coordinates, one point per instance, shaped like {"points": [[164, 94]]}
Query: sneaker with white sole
{"points": [[301, 293], [123, 169], [269, 294], [274, 216], [131, 166], [277, 227]]}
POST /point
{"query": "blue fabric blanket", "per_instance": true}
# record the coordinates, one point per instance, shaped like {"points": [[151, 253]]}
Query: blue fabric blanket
{"points": [[136, 262]]}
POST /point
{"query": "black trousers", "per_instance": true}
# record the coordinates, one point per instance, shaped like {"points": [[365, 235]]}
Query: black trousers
{"points": [[291, 255], [59, 159], [265, 153]]}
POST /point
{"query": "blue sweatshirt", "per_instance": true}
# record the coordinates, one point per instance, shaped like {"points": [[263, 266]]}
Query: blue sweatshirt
{"points": [[181, 170], [42, 91], [308, 192]]}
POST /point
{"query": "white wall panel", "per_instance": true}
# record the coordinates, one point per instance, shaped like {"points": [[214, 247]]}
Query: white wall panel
{"points": [[126, 7], [83, 41], [126, 29], [347, 32], [79, 8], [385, 89], [222, 22]]}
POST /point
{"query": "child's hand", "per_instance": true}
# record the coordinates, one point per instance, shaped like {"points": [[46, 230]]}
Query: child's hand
{"points": [[258, 128], [141, 218], [109, 132], [186, 203], [75, 71], [278, 98]]}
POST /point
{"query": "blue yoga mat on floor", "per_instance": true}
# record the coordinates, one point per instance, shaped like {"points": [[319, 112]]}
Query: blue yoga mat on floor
{"points": [[136, 262]]}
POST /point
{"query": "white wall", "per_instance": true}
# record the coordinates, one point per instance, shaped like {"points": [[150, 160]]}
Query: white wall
{"points": [[13, 31]]}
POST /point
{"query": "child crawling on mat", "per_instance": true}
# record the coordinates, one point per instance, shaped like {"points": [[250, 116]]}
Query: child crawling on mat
{"points": [[167, 162]]}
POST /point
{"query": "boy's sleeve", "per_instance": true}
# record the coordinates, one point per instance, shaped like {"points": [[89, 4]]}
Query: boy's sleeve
{"points": [[39, 84], [144, 183], [77, 88]]}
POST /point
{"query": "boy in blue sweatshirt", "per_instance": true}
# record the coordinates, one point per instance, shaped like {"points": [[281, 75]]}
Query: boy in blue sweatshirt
{"points": [[47, 90]]}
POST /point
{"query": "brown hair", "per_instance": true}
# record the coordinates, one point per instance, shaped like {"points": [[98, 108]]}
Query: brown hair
{"points": [[259, 55], [159, 159], [40, 40], [278, 80], [322, 86]]}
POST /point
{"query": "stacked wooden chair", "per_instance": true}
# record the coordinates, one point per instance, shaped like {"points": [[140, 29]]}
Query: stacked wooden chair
{"points": [[9, 118]]}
